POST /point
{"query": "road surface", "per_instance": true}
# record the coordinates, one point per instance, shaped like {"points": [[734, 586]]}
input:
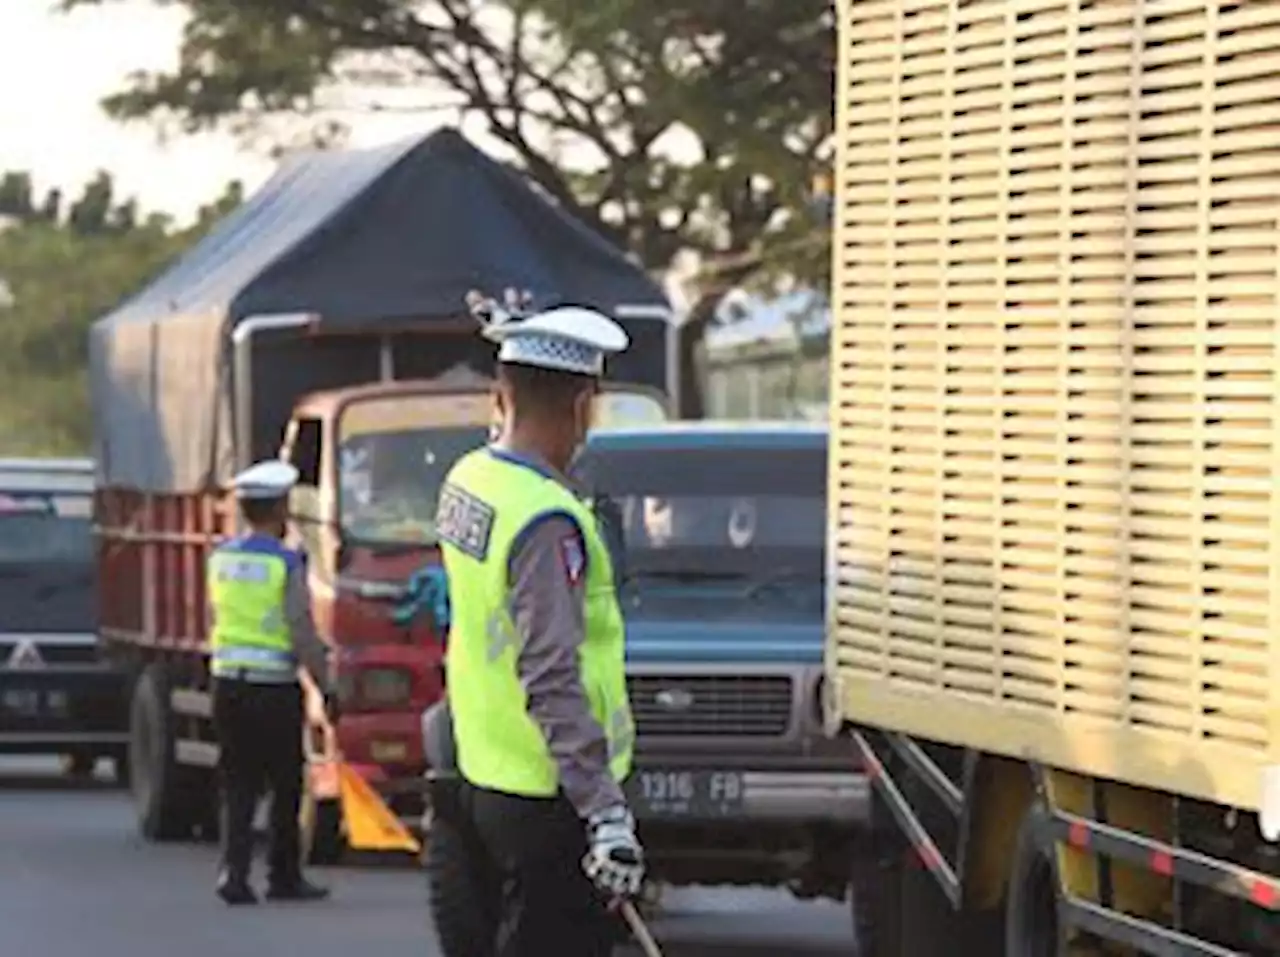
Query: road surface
{"points": [[75, 879]]}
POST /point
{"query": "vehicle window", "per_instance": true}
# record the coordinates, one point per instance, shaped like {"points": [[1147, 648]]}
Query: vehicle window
{"points": [[390, 481], [38, 529], [709, 512], [736, 522]]}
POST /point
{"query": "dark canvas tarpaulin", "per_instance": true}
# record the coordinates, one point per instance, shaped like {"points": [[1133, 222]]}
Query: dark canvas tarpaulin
{"points": [[365, 240]]}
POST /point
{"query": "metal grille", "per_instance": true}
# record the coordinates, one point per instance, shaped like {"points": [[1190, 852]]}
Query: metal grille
{"points": [[54, 654], [711, 706], [1054, 378]]}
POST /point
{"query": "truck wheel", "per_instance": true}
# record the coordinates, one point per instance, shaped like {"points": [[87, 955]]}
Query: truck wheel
{"points": [[320, 830], [1032, 927], [120, 769], [462, 891], [876, 898], [159, 797]]}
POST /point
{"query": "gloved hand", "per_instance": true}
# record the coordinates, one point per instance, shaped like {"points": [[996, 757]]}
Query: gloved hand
{"points": [[615, 860]]}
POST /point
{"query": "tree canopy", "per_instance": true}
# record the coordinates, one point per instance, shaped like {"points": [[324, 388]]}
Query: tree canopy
{"points": [[665, 124], [63, 265]]}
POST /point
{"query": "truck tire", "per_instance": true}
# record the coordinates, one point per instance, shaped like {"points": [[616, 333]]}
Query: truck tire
{"points": [[1031, 925], [462, 891], [157, 781], [876, 886]]}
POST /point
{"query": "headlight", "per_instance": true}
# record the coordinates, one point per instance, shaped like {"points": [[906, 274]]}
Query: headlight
{"points": [[383, 687]]}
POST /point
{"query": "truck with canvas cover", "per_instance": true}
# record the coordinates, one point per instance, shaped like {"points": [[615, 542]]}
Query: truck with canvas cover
{"points": [[1054, 557], [324, 322]]}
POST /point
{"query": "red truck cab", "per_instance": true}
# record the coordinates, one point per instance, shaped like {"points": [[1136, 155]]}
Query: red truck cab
{"points": [[372, 460]]}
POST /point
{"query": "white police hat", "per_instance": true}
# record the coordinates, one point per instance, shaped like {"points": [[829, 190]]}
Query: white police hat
{"points": [[265, 480], [565, 338]]}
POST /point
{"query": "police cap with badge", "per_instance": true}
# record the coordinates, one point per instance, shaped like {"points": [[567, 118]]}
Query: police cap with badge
{"points": [[573, 339]]}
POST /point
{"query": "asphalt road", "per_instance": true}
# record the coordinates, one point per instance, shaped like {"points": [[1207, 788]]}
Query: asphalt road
{"points": [[75, 879]]}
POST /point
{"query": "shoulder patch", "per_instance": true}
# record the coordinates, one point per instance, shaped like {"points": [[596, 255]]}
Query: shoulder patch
{"points": [[464, 521], [573, 557]]}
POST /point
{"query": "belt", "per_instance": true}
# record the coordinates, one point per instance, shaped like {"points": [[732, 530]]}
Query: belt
{"points": [[256, 676]]}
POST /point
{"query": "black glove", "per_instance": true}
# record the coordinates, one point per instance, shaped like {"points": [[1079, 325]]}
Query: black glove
{"points": [[615, 860]]}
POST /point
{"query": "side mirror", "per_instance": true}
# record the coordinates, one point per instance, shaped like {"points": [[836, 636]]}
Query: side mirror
{"points": [[609, 520]]}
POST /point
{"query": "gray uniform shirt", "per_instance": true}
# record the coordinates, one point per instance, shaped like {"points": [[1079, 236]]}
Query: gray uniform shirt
{"points": [[548, 610], [308, 647]]}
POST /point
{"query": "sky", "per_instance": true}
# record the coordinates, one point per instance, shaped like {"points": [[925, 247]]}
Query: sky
{"points": [[54, 70]]}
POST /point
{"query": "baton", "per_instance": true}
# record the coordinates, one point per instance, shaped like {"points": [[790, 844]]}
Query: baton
{"points": [[639, 929]]}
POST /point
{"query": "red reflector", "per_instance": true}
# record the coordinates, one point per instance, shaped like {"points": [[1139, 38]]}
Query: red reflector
{"points": [[929, 857], [1078, 835], [1264, 894], [1162, 863]]}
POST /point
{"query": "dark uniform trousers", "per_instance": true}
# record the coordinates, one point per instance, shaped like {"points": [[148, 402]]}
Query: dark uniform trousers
{"points": [[259, 728], [548, 905]]}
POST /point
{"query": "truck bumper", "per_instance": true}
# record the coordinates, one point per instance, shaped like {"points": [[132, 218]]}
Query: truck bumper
{"points": [[61, 707], [784, 798], [812, 797]]}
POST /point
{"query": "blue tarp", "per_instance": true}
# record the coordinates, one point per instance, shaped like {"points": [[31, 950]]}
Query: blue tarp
{"points": [[360, 238]]}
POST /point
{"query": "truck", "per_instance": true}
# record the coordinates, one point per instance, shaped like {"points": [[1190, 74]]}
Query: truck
{"points": [[324, 322], [56, 696], [1053, 566], [721, 587]]}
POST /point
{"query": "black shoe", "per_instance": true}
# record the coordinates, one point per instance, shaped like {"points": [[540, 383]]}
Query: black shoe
{"points": [[236, 892], [300, 890]]}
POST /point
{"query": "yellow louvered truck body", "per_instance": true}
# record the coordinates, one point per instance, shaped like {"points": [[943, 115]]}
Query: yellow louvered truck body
{"points": [[1055, 419]]}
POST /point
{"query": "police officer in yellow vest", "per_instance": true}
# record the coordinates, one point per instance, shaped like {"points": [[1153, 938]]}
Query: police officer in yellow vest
{"points": [[535, 668], [261, 630]]}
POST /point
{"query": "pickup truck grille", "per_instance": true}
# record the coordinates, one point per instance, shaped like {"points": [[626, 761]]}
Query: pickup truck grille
{"points": [[53, 652], [711, 705]]}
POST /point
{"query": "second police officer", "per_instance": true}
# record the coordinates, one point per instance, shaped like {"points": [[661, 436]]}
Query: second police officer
{"points": [[261, 630]]}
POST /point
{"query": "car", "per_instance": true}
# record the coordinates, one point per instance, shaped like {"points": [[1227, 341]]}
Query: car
{"points": [[722, 529], [56, 695], [718, 532]]}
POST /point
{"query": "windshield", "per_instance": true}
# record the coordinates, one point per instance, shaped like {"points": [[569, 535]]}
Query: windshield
{"points": [[717, 513], [391, 481], [46, 563], [394, 453], [42, 529]]}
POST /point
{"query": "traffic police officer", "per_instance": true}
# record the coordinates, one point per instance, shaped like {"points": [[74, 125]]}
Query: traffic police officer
{"points": [[536, 680], [261, 631]]}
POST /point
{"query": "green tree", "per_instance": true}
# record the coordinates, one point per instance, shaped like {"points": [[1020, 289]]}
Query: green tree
{"points": [[62, 274], [746, 84]]}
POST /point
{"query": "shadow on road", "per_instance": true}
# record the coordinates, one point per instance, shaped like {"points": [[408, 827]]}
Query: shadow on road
{"points": [[46, 774]]}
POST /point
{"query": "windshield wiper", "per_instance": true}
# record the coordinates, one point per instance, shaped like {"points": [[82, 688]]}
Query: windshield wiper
{"points": [[783, 576], [686, 575]]}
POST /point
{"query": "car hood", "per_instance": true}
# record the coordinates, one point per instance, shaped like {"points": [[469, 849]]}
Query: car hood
{"points": [[679, 628]]}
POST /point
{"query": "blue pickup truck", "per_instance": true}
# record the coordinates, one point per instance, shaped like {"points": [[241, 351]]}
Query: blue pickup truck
{"points": [[718, 533], [723, 528]]}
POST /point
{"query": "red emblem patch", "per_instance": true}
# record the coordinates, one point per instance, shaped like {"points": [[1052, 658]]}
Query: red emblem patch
{"points": [[573, 558]]}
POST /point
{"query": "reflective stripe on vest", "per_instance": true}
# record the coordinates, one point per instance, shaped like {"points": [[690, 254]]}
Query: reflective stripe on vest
{"points": [[486, 504], [249, 633]]}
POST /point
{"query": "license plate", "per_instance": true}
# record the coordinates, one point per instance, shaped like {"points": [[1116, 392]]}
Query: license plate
{"points": [[694, 794], [388, 751]]}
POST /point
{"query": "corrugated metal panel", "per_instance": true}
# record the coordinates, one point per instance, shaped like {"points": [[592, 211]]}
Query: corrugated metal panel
{"points": [[1054, 446]]}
